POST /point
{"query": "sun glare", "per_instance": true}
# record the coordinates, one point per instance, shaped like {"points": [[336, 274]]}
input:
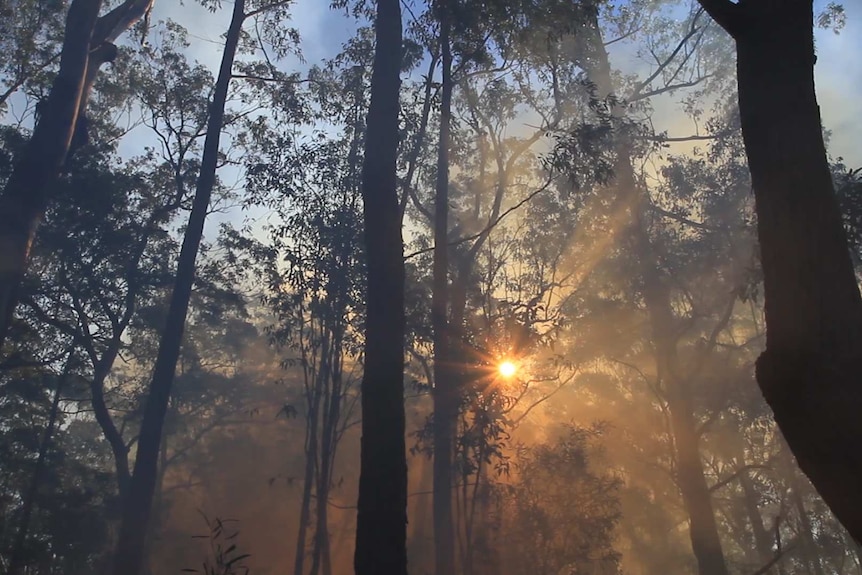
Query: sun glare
{"points": [[507, 369]]}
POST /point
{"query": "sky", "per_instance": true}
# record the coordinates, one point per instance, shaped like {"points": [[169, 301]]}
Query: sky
{"points": [[323, 31], [838, 76], [838, 71]]}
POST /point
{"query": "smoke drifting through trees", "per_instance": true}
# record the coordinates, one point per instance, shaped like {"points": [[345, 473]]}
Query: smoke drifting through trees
{"points": [[562, 185]]}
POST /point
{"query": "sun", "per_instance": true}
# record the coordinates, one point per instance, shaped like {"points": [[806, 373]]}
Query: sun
{"points": [[507, 369]]}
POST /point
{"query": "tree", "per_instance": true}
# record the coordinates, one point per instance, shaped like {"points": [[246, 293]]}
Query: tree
{"points": [[87, 45], [445, 391], [381, 531], [809, 370], [138, 501], [32, 31], [561, 511], [313, 264]]}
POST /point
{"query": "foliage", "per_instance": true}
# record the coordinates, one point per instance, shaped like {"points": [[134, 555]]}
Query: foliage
{"points": [[224, 557]]}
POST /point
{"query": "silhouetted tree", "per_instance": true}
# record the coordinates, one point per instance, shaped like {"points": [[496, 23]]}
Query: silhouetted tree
{"points": [[445, 392], [138, 501], [381, 531], [813, 359]]}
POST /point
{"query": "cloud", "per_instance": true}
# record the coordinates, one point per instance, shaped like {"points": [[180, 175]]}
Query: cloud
{"points": [[839, 84]]}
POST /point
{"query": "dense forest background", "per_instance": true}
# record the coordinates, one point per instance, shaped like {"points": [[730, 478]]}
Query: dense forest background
{"points": [[581, 261]]}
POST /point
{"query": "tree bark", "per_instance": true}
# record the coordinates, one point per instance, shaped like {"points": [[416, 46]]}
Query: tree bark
{"points": [[88, 44], [138, 503], [445, 394], [381, 530], [809, 373]]}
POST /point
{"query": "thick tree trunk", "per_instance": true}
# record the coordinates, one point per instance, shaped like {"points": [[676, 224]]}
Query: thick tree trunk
{"points": [[88, 44], [809, 373], [445, 394], [138, 503], [381, 529], [16, 560]]}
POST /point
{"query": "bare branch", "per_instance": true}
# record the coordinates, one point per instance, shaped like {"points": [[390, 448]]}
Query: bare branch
{"points": [[735, 475], [636, 94], [490, 226]]}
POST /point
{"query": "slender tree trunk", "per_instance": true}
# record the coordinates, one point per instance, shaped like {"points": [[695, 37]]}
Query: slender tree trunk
{"points": [[304, 516], [309, 479], [137, 506], [809, 373], [321, 530], [703, 530], [320, 461], [16, 561], [329, 448], [445, 394], [381, 530], [88, 43], [762, 540]]}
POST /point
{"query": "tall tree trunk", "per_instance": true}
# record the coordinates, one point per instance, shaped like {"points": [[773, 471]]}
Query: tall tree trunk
{"points": [[304, 514], [329, 447], [308, 484], [809, 373], [381, 529], [16, 561], [137, 506], [88, 43], [703, 530], [321, 461], [445, 393]]}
